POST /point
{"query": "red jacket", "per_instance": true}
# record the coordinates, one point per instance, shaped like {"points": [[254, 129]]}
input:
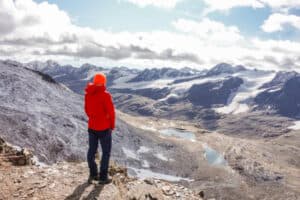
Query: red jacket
{"points": [[99, 108]]}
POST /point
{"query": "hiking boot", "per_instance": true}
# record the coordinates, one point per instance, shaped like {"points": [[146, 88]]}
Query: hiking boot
{"points": [[104, 181], [92, 178]]}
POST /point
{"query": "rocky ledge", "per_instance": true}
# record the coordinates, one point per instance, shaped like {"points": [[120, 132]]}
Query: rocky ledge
{"points": [[68, 181], [15, 156]]}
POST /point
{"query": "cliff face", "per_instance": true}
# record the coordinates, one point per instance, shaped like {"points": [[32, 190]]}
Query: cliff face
{"points": [[68, 181]]}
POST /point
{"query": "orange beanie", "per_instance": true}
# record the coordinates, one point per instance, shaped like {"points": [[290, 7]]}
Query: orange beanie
{"points": [[99, 79]]}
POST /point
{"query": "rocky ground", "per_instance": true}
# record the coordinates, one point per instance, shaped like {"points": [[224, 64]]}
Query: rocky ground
{"points": [[257, 153], [68, 181], [257, 167]]}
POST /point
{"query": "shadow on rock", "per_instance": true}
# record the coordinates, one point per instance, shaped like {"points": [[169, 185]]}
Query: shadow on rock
{"points": [[80, 190], [95, 192]]}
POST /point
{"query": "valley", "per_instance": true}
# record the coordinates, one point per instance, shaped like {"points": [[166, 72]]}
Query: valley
{"points": [[262, 165], [224, 131]]}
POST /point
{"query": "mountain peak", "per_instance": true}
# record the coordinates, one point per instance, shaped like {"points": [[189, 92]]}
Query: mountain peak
{"points": [[89, 66], [280, 78], [52, 63], [160, 73], [225, 68]]}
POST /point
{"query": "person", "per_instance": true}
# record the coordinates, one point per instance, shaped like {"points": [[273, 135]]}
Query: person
{"points": [[100, 110]]}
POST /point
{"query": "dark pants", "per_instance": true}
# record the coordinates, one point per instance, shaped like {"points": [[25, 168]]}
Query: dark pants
{"points": [[105, 140]]}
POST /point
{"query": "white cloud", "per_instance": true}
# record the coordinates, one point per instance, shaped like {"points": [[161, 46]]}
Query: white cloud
{"points": [[214, 5], [280, 5], [277, 21], [27, 15], [208, 29], [166, 4], [43, 31], [7, 19]]}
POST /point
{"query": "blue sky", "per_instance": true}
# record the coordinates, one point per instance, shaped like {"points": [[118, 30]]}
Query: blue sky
{"points": [[120, 15], [152, 33]]}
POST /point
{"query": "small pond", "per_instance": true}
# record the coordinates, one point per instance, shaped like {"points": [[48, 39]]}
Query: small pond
{"points": [[213, 157], [178, 133]]}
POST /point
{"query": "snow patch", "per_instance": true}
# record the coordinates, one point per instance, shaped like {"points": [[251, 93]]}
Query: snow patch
{"points": [[296, 126], [145, 164], [161, 156], [172, 132], [144, 173], [38, 163], [239, 100], [143, 149], [160, 83], [275, 89], [148, 128], [130, 154]]}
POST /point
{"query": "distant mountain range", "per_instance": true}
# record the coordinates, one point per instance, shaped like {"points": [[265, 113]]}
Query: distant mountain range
{"points": [[225, 89]]}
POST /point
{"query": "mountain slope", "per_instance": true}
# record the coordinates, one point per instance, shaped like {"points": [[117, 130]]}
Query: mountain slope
{"points": [[283, 99], [46, 117], [39, 113]]}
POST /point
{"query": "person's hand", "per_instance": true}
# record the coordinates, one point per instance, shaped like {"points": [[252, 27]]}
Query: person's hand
{"points": [[110, 131]]}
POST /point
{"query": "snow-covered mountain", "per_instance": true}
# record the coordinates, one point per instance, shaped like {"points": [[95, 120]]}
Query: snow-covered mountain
{"points": [[281, 78], [163, 73], [72, 77], [224, 68], [213, 93], [225, 89], [283, 95], [77, 78]]}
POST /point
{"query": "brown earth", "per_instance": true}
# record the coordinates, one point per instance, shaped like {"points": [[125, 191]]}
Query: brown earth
{"points": [[69, 181]]}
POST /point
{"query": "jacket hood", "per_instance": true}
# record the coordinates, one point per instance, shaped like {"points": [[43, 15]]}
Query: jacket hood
{"points": [[91, 88]]}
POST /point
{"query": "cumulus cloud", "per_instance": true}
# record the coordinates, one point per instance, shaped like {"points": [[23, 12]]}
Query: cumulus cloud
{"points": [[277, 21], [7, 19], [41, 40], [47, 30], [27, 15], [169, 54], [281, 5], [208, 29], [9, 51], [43, 31], [216, 5], [282, 54], [166, 4], [122, 52]]}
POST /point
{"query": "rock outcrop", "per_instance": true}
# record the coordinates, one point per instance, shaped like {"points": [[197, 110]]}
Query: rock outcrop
{"points": [[213, 93], [284, 99], [13, 155], [67, 180]]}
